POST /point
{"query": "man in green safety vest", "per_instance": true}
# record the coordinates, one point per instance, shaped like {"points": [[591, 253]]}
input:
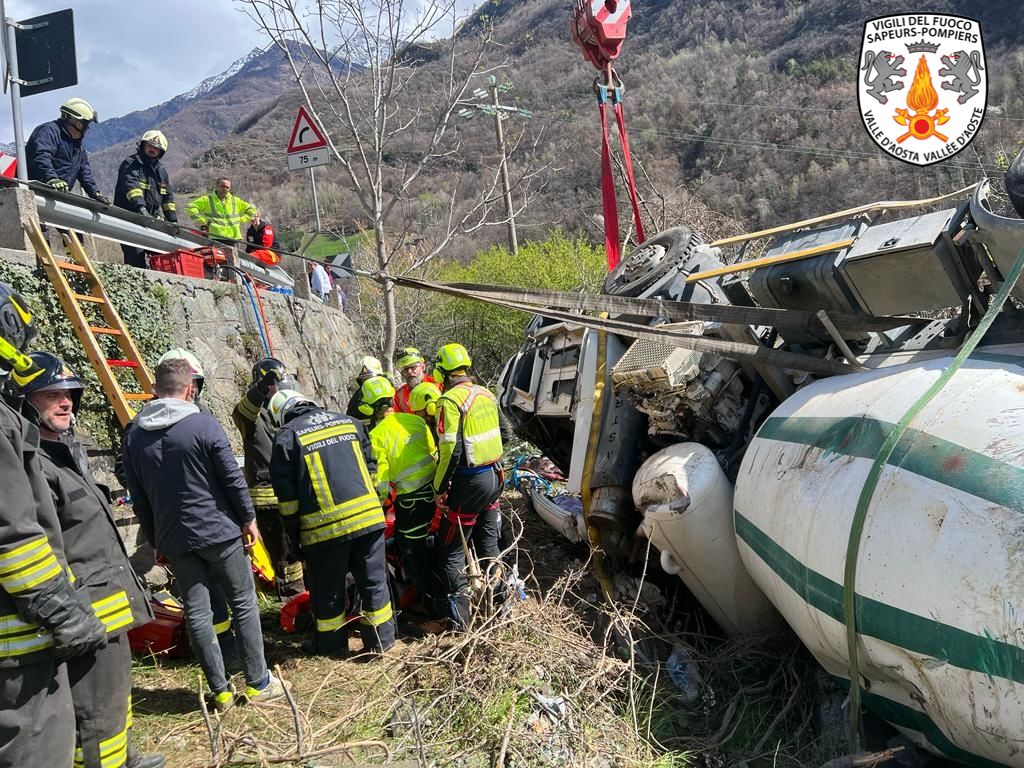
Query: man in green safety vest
{"points": [[220, 214], [406, 462], [468, 479]]}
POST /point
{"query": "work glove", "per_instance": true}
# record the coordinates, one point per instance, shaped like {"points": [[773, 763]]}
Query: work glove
{"points": [[143, 212], [171, 217], [101, 198], [58, 184], [76, 630], [269, 379]]}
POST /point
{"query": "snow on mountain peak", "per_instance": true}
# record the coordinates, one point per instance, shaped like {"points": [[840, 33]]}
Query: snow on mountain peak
{"points": [[212, 82]]}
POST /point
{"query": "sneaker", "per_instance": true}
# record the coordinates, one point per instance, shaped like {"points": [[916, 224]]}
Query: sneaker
{"points": [[224, 700], [274, 689]]}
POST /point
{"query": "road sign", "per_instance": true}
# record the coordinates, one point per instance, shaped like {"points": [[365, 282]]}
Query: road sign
{"points": [[298, 161], [46, 52], [306, 135]]}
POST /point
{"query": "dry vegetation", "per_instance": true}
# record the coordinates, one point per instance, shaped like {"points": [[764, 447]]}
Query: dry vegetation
{"points": [[558, 680]]}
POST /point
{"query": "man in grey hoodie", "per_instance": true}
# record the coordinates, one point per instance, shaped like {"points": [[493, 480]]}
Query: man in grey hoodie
{"points": [[193, 506]]}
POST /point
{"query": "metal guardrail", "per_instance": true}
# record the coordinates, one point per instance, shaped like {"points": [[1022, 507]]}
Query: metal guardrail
{"points": [[82, 214]]}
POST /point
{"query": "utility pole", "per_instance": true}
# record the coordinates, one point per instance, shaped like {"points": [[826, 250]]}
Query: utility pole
{"points": [[506, 187], [498, 111]]}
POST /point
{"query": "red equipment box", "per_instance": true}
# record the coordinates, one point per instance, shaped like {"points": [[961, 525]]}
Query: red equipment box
{"points": [[165, 635], [187, 263]]}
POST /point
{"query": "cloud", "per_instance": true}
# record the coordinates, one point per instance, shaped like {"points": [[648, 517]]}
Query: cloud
{"points": [[134, 55]]}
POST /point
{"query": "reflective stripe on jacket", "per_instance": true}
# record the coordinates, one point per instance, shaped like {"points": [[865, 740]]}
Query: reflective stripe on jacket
{"points": [[31, 547], [321, 469], [93, 547], [143, 185], [223, 217], [253, 423], [405, 452], [468, 430]]}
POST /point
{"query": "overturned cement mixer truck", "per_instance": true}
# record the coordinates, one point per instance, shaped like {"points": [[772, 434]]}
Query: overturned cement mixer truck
{"points": [[831, 435]]}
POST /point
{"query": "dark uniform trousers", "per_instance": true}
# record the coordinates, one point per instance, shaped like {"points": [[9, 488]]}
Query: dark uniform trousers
{"points": [[101, 686], [287, 573], [327, 566], [473, 504], [413, 514], [37, 719]]}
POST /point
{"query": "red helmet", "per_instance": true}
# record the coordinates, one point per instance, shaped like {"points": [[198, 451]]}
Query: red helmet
{"points": [[268, 236]]}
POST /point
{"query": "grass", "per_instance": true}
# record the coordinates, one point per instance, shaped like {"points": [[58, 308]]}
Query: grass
{"points": [[559, 680], [326, 246]]}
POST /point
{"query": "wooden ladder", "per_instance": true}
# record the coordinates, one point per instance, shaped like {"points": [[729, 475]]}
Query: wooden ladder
{"points": [[80, 269]]}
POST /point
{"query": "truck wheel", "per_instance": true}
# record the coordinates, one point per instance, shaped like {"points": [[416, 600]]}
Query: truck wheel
{"points": [[652, 263]]}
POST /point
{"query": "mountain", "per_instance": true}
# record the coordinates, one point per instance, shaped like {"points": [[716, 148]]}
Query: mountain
{"points": [[192, 121], [740, 112]]}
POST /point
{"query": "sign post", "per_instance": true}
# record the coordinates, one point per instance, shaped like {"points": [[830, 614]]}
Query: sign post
{"points": [[307, 148], [40, 55]]}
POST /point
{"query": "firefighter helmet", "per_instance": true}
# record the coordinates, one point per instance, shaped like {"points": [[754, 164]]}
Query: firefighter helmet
{"points": [[408, 356], [424, 397], [265, 366], [179, 353], [16, 325], [370, 366], [53, 374], [451, 358], [156, 138], [78, 109], [377, 392], [283, 403]]}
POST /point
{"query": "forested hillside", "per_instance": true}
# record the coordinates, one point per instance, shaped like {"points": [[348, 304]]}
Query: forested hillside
{"points": [[747, 107]]}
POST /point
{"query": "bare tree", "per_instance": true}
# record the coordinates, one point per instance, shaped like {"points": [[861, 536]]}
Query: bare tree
{"points": [[386, 78]]}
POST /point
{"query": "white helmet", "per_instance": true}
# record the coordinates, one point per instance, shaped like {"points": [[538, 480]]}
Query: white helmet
{"points": [[79, 109], [283, 402], [180, 353], [157, 139]]}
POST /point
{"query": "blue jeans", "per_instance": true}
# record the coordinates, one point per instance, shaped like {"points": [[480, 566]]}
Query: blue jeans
{"points": [[227, 566]]}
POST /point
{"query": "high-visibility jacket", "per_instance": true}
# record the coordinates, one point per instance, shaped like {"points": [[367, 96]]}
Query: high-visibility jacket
{"points": [[401, 399], [253, 423], [31, 546], [222, 217], [321, 468], [94, 550], [468, 431], [405, 452]]}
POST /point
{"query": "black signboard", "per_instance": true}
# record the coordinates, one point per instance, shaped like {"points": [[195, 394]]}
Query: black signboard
{"points": [[46, 52]]}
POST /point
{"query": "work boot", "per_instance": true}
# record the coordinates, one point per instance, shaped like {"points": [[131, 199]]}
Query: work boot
{"points": [[152, 760]]}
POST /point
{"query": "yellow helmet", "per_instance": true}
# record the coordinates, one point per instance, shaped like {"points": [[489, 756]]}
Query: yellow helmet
{"points": [[377, 392], [156, 138], [79, 109], [450, 358], [408, 356], [424, 397]]}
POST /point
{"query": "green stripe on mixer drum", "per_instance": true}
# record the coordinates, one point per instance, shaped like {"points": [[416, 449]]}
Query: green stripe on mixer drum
{"points": [[918, 452], [919, 634]]}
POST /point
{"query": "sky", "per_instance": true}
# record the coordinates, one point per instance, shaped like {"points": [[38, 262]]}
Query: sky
{"points": [[134, 54]]}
